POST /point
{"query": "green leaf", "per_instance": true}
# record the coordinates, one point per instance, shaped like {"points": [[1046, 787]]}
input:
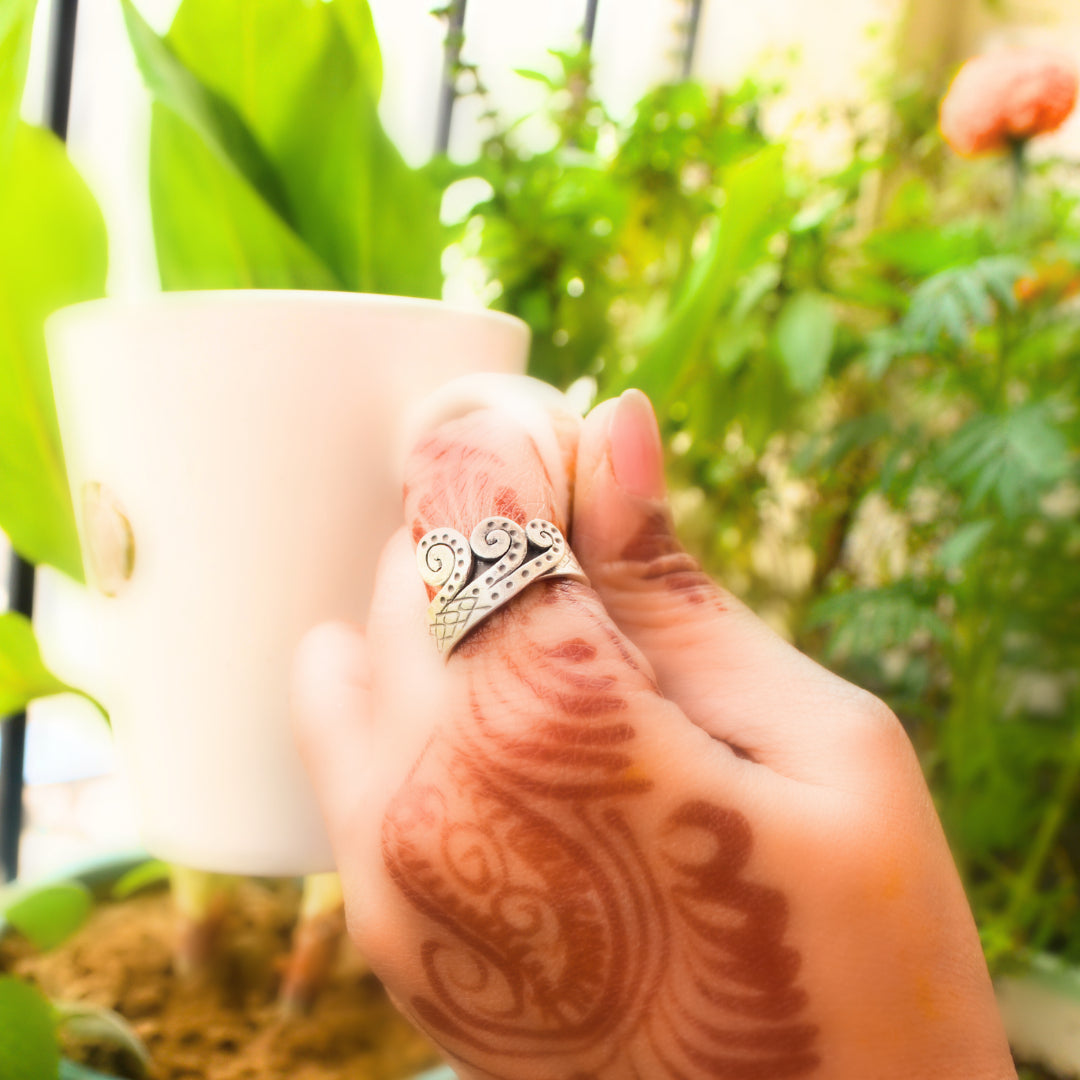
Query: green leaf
{"points": [[212, 229], [23, 675], [304, 77], [1010, 459], [16, 28], [805, 336], [963, 543], [208, 114], [72, 1070], [827, 451], [228, 46], [536, 76], [100, 1025], [922, 250], [955, 302], [29, 1049], [49, 915], [53, 253], [143, 876], [753, 211], [866, 622]]}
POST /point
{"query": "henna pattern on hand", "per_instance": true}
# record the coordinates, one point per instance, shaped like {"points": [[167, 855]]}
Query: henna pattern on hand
{"points": [[573, 916], [654, 552]]}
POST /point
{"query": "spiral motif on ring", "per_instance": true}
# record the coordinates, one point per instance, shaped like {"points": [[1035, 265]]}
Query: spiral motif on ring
{"points": [[444, 559], [474, 577]]}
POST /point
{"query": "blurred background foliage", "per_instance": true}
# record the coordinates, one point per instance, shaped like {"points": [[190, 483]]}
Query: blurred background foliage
{"points": [[866, 377]]}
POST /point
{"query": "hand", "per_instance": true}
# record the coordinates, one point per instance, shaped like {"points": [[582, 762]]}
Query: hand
{"points": [[627, 831]]}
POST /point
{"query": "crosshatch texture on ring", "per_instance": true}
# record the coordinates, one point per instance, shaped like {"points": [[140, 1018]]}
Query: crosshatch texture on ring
{"points": [[475, 577]]}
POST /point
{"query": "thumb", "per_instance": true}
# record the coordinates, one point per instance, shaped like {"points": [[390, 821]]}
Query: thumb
{"points": [[724, 667]]}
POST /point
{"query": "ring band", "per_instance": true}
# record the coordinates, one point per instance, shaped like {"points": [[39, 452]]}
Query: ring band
{"points": [[475, 577]]}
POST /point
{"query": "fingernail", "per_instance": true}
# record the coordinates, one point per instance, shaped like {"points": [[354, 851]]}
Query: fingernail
{"points": [[636, 454]]}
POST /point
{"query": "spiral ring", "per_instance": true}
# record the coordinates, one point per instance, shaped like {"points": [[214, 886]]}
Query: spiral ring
{"points": [[476, 577]]}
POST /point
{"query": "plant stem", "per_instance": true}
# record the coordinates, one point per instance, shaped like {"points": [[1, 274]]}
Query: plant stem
{"points": [[1019, 162], [202, 903], [316, 941], [1065, 792]]}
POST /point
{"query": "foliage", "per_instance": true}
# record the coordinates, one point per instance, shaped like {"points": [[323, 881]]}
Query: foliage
{"points": [[144, 876], [23, 674], [29, 1046], [48, 915], [53, 254], [33, 1030], [269, 167], [80, 1022], [868, 383]]}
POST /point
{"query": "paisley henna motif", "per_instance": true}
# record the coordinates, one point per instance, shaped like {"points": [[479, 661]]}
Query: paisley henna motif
{"points": [[573, 915]]}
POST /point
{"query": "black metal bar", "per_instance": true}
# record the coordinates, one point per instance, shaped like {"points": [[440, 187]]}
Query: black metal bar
{"points": [[21, 593], [588, 31], [61, 64], [455, 34], [693, 25], [13, 737]]}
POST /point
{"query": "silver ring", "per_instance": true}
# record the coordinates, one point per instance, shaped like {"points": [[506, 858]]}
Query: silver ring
{"points": [[475, 577]]}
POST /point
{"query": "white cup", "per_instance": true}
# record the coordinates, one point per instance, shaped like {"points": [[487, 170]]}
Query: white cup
{"points": [[233, 468]]}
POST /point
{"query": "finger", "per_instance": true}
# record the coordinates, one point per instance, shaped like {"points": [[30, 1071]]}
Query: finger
{"points": [[730, 672], [331, 711], [481, 460]]}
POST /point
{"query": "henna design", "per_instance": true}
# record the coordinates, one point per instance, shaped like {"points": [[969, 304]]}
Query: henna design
{"points": [[655, 553], [572, 915]]}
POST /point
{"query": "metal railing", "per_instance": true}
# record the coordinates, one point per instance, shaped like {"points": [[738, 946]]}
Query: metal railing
{"points": [[58, 103]]}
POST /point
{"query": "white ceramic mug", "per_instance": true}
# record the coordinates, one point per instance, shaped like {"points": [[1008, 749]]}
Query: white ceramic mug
{"points": [[231, 458]]}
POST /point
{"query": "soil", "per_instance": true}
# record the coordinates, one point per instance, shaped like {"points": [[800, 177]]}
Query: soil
{"points": [[224, 1024]]}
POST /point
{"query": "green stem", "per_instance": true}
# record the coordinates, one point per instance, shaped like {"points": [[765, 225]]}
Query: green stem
{"points": [[317, 937], [1019, 162], [1004, 347], [1065, 792], [201, 901]]}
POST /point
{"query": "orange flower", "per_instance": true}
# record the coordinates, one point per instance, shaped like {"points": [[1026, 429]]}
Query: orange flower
{"points": [[1053, 281], [1008, 97]]}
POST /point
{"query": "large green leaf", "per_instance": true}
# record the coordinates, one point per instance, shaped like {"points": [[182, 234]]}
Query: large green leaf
{"points": [[29, 1049], [207, 113], [16, 27], [212, 229], [805, 335], [53, 253], [227, 46], [305, 79], [753, 211], [23, 674], [49, 915]]}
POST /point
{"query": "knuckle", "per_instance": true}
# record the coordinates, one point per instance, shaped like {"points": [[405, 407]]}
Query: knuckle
{"points": [[879, 749]]}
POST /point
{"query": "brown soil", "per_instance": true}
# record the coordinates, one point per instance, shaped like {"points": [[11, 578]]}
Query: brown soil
{"points": [[226, 1024]]}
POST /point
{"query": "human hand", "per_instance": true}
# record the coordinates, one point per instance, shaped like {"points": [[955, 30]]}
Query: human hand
{"points": [[627, 831]]}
